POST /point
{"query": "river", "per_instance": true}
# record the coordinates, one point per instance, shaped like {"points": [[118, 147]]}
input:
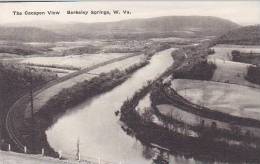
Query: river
{"points": [[94, 124]]}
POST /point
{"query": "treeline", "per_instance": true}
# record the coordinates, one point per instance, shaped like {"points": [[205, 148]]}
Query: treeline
{"points": [[130, 49], [128, 114], [15, 81], [250, 58], [251, 41], [88, 49], [70, 97], [18, 75], [177, 100], [18, 51], [202, 148], [67, 67], [247, 35], [201, 70], [23, 49], [211, 132], [152, 49], [193, 61]]}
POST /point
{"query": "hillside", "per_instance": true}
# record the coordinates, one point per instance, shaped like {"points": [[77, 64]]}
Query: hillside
{"points": [[181, 26], [189, 26], [249, 35], [29, 34]]}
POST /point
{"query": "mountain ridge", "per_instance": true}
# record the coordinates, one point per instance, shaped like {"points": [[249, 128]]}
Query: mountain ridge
{"points": [[141, 28]]}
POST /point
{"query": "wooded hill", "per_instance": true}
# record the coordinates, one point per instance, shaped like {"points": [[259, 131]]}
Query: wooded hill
{"points": [[167, 26], [249, 35]]}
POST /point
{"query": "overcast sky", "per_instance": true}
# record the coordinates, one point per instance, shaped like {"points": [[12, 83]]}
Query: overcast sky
{"points": [[242, 12]]}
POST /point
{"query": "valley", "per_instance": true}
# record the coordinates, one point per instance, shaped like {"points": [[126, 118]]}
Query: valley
{"points": [[170, 89]]}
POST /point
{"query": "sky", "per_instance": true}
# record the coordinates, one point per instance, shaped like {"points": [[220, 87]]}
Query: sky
{"points": [[241, 12]]}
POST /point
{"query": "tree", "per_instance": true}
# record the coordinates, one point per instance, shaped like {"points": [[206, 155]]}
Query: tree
{"points": [[147, 115], [235, 52]]}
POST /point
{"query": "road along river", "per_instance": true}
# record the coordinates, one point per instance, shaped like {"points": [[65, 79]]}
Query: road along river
{"points": [[96, 126]]}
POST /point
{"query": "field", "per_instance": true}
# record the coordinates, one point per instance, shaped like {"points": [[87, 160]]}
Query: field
{"points": [[78, 61], [231, 72], [183, 116], [233, 99], [227, 91], [63, 57], [228, 71], [44, 96], [195, 120], [223, 51], [173, 40]]}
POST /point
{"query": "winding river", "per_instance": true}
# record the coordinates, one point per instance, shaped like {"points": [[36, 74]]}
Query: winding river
{"points": [[94, 125]]}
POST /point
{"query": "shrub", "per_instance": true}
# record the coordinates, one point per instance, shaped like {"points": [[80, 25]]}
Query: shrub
{"points": [[202, 70], [253, 74]]}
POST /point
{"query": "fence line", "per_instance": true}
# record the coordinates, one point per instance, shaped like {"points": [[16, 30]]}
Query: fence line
{"points": [[64, 157]]}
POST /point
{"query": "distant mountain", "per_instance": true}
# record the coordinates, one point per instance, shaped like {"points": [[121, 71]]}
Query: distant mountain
{"points": [[249, 35], [184, 26], [29, 34], [177, 26]]}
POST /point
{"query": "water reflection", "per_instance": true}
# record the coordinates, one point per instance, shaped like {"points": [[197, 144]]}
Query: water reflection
{"points": [[99, 130]]}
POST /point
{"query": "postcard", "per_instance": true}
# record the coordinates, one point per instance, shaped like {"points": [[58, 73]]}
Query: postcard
{"points": [[129, 82]]}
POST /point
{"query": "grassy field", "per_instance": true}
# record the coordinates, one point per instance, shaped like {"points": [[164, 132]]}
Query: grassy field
{"points": [[77, 61], [44, 96], [229, 71], [233, 99], [223, 51], [78, 47], [232, 72], [191, 119]]}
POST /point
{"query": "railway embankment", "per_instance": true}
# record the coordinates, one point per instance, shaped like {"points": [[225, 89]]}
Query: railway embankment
{"points": [[237, 138]]}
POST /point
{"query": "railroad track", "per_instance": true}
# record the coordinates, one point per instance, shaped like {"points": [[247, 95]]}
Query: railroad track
{"points": [[174, 98], [22, 102], [12, 132]]}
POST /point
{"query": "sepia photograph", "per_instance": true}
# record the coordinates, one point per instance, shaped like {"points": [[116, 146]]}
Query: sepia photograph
{"points": [[129, 82]]}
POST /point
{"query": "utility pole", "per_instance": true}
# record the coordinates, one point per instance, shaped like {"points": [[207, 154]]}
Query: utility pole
{"points": [[32, 113], [78, 150], [31, 94]]}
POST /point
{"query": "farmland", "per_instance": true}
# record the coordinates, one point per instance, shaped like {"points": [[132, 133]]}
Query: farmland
{"points": [[114, 90], [213, 92], [223, 91], [222, 97]]}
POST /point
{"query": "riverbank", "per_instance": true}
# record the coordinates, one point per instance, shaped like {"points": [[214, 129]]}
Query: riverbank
{"points": [[139, 126], [202, 147], [21, 103], [98, 127], [238, 143], [188, 140], [238, 134], [70, 97], [14, 120]]}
